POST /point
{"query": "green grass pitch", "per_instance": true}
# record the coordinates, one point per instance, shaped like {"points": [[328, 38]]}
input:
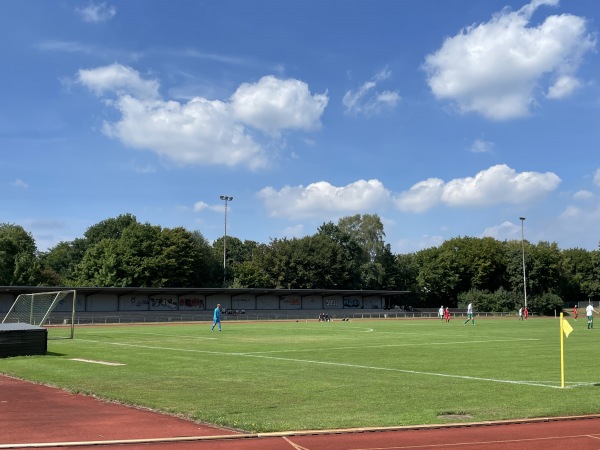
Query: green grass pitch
{"points": [[276, 376]]}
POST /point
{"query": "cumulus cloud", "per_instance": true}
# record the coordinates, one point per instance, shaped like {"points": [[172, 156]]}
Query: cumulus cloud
{"points": [[323, 199], [201, 131], [264, 104], [563, 87], [369, 101], [421, 196], [119, 80], [496, 185], [583, 195], [495, 68], [481, 146], [96, 13], [506, 230]]}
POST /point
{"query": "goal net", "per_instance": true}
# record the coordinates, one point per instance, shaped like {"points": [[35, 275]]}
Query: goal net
{"points": [[35, 309]]}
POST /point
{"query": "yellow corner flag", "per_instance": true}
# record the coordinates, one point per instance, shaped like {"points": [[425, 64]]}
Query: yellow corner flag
{"points": [[567, 328]]}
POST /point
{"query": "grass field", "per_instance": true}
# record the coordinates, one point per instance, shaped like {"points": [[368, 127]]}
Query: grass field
{"points": [[276, 376]]}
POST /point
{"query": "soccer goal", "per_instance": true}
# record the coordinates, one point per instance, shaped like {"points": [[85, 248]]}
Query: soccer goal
{"points": [[35, 309]]}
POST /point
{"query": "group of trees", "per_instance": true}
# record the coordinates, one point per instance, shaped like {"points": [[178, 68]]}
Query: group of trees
{"points": [[349, 254]]}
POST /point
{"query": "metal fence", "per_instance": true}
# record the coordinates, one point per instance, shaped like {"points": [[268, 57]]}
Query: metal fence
{"points": [[168, 317]]}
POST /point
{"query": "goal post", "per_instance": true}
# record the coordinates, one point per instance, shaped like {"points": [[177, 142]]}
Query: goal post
{"points": [[35, 309]]}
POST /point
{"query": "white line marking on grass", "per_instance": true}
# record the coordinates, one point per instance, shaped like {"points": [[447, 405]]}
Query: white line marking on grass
{"points": [[329, 363], [93, 361], [186, 336], [429, 344], [358, 366], [389, 369], [152, 347]]}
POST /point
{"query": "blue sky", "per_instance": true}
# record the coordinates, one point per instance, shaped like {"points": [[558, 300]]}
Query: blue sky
{"points": [[446, 118]]}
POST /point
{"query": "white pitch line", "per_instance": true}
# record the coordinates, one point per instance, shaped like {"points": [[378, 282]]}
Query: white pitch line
{"points": [[93, 361], [330, 363], [390, 345], [179, 336], [389, 369]]}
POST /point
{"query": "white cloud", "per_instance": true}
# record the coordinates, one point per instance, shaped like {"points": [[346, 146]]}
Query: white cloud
{"points": [[481, 146], [597, 177], [421, 196], [583, 195], [18, 183], [201, 131], [563, 87], [321, 199], [505, 231], [366, 100], [272, 104], [96, 13], [494, 68], [294, 231], [198, 132], [118, 79], [200, 206], [496, 185]]}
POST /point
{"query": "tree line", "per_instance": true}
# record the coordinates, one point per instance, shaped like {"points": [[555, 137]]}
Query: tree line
{"points": [[349, 254]]}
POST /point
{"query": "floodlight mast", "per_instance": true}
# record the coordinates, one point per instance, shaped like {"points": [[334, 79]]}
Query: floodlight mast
{"points": [[522, 219], [226, 199]]}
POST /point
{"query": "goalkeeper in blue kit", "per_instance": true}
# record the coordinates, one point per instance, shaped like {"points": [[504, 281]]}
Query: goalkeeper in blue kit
{"points": [[217, 318]]}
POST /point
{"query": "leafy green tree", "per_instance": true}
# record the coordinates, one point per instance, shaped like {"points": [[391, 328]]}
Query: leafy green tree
{"points": [[208, 271], [480, 263], [59, 263], [251, 273], [19, 265], [148, 256], [311, 262], [63, 258], [577, 271], [367, 231], [101, 266], [499, 301], [546, 304], [238, 253], [350, 249], [544, 268], [392, 276], [111, 228], [590, 284], [438, 277], [514, 267]]}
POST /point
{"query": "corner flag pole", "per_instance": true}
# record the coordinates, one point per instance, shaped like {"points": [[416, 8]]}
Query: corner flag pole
{"points": [[562, 353], [565, 330]]}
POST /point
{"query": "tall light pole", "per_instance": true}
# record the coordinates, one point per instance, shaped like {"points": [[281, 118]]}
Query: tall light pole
{"points": [[522, 219], [226, 199]]}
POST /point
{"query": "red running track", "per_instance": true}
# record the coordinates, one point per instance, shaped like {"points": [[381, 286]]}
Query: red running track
{"points": [[38, 416]]}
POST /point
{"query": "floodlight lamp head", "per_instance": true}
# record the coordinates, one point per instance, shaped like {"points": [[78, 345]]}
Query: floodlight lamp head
{"points": [[226, 198], [521, 218]]}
